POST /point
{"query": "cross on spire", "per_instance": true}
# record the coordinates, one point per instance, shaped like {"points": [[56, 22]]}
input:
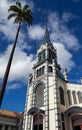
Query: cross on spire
{"points": [[46, 36]]}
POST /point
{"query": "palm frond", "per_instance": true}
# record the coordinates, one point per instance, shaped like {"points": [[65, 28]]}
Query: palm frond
{"points": [[18, 4], [16, 19], [28, 11], [25, 7], [28, 20], [11, 15], [14, 9], [21, 14]]}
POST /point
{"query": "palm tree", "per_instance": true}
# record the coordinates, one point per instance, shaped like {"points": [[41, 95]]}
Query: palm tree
{"points": [[22, 14]]}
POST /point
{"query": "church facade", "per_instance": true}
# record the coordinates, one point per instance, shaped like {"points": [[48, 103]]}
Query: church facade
{"points": [[52, 103]]}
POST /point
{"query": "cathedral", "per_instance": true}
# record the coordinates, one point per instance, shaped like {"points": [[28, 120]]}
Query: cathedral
{"points": [[52, 103]]}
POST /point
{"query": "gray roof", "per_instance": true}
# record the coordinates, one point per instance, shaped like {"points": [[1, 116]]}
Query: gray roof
{"points": [[46, 36]]}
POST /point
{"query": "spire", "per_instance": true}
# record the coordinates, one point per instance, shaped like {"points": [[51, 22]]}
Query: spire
{"points": [[46, 36]]}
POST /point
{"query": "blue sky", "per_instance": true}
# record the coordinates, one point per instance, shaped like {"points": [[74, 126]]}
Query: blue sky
{"points": [[64, 20]]}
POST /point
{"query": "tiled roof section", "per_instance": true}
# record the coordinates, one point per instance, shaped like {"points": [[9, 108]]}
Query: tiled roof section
{"points": [[11, 114]]}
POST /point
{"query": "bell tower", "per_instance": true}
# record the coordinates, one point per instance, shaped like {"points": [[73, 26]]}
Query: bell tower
{"points": [[42, 109]]}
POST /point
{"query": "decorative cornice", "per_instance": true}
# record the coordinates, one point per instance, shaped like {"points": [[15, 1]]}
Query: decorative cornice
{"points": [[73, 109]]}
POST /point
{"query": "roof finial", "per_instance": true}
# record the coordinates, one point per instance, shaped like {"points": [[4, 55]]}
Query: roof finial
{"points": [[46, 36]]}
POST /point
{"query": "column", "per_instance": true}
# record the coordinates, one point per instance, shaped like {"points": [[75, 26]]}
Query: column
{"points": [[56, 99], [3, 127], [74, 97], [66, 123], [70, 127], [9, 128], [33, 103], [70, 97], [46, 101], [66, 100], [77, 98], [72, 100], [29, 123], [25, 119]]}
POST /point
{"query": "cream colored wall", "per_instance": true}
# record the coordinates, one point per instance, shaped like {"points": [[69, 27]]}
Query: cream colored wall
{"points": [[29, 98], [51, 120], [76, 87], [63, 85], [43, 46], [51, 104], [51, 93], [71, 87]]}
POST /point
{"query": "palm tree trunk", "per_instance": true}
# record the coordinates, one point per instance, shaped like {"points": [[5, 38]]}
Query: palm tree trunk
{"points": [[5, 78]]}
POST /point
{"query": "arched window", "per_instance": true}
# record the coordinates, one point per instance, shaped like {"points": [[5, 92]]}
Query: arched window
{"points": [[39, 57], [74, 97], [43, 54], [69, 97], [79, 96], [61, 96], [30, 80], [39, 96], [40, 71]]}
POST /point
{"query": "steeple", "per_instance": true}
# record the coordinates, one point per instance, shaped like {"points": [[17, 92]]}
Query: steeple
{"points": [[46, 36]]}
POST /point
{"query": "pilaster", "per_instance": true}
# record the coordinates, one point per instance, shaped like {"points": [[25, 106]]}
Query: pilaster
{"points": [[46, 101], [56, 99], [70, 98], [29, 122], [9, 128], [77, 98], [3, 127], [25, 119]]}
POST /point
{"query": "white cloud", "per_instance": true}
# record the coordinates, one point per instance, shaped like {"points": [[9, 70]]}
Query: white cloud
{"points": [[64, 56], [67, 16], [62, 37], [13, 86], [36, 32], [3, 9], [4, 5], [61, 33], [6, 26], [21, 65]]}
